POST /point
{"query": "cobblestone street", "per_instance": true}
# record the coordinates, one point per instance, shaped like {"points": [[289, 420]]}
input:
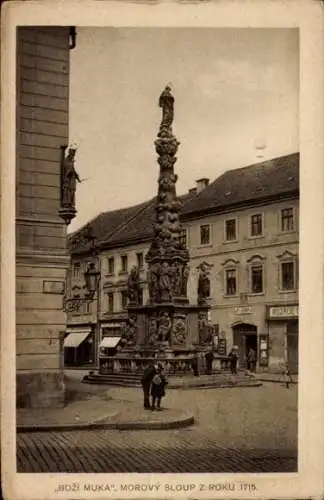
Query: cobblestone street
{"points": [[237, 430]]}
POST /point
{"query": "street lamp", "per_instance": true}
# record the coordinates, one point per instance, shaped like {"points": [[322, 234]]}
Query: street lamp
{"points": [[91, 277]]}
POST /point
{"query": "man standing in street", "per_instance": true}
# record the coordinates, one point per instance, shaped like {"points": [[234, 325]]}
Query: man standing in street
{"points": [[147, 378]]}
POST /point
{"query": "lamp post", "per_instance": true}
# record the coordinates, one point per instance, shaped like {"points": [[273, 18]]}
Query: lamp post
{"points": [[92, 281], [74, 304]]}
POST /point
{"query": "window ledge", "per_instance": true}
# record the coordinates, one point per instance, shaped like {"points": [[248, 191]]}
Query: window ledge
{"points": [[258, 237], [122, 273], [291, 231], [234, 296], [293, 290], [228, 242], [207, 245], [256, 294]]}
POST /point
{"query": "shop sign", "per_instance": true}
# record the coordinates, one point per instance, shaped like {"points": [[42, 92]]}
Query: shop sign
{"points": [[243, 310], [278, 312]]}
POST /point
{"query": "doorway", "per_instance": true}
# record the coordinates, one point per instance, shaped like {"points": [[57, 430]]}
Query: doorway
{"points": [[245, 336]]}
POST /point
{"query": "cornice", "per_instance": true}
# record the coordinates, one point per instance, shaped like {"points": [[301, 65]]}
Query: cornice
{"points": [[204, 212], [30, 221], [37, 258]]}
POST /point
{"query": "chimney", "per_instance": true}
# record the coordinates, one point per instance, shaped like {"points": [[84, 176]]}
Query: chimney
{"points": [[192, 190], [201, 184]]}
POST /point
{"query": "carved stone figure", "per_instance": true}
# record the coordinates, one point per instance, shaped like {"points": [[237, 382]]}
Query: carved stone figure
{"points": [[203, 284], [205, 332], [130, 330], [166, 102], [133, 287], [153, 330], [185, 276], [153, 282], [165, 283], [179, 330], [164, 329], [69, 179]]}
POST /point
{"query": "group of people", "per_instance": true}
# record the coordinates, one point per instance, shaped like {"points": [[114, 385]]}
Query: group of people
{"points": [[153, 384]]}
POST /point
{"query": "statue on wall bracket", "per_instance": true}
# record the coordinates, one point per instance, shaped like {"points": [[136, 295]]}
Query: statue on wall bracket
{"points": [[69, 179]]}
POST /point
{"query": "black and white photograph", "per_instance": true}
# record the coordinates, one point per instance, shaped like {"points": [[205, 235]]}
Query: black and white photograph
{"points": [[159, 257]]}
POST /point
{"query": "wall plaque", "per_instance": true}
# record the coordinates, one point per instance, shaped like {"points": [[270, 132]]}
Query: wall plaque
{"points": [[54, 287], [243, 309]]}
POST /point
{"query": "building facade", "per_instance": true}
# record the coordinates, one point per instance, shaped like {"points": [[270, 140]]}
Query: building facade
{"points": [[42, 258], [245, 227]]}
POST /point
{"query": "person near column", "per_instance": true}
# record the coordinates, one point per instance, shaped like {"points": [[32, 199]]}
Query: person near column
{"points": [[147, 377], [158, 388]]}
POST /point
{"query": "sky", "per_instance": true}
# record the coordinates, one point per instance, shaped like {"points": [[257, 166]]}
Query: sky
{"points": [[236, 103]]}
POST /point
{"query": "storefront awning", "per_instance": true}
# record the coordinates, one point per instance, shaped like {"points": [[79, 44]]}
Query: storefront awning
{"points": [[76, 338], [109, 342]]}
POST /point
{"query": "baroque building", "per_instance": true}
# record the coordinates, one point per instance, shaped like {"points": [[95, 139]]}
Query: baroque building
{"points": [[242, 228]]}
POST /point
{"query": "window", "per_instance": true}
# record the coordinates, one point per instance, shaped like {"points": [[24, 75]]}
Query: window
{"points": [[257, 278], [230, 281], [287, 276], [205, 234], [230, 230], [140, 260], [110, 302], [183, 238], [124, 299], [87, 307], [111, 265], [287, 219], [256, 225], [124, 264], [76, 269]]}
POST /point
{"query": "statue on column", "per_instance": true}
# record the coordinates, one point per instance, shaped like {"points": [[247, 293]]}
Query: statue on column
{"points": [[165, 283], [69, 178], [203, 283], [133, 287], [185, 276], [164, 329], [166, 102]]}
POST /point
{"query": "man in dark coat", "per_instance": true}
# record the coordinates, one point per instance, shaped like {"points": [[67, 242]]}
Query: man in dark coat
{"points": [[147, 377], [158, 388]]}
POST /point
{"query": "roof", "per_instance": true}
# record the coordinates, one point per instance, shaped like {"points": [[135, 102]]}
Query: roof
{"points": [[268, 180], [102, 227], [256, 183]]}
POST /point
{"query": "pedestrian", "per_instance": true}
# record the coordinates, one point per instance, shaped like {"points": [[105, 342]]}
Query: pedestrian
{"points": [[233, 357], [147, 377], [251, 360], [209, 357], [158, 388], [288, 377]]}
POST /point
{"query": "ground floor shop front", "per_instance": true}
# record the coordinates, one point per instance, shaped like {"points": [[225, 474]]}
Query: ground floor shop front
{"points": [[266, 334]]}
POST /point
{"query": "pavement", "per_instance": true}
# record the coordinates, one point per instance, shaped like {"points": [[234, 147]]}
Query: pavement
{"points": [[236, 430], [102, 411], [104, 407]]}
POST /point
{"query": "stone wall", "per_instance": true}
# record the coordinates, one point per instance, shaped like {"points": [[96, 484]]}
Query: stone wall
{"points": [[41, 254]]}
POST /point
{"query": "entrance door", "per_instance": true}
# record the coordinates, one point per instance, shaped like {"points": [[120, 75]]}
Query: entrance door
{"points": [[245, 337], [292, 346]]}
